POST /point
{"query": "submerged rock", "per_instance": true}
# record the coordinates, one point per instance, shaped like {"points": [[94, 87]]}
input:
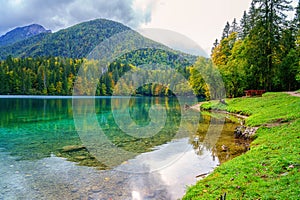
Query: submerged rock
{"points": [[73, 148], [224, 147], [80, 157]]}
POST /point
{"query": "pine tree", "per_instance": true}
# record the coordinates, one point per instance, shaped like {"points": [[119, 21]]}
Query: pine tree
{"points": [[252, 16], [270, 17], [244, 28], [215, 44], [226, 31], [296, 20], [234, 26]]}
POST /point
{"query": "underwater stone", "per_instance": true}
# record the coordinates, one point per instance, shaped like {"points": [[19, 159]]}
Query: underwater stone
{"points": [[73, 148]]}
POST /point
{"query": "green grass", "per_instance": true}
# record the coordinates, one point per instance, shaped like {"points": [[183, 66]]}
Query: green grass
{"points": [[271, 169], [272, 107]]}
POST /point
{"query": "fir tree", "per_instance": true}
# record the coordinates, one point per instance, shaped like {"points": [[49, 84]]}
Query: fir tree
{"points": [[215, 44], [226, 31], [244, 28], [270, 17], [234, 26]]}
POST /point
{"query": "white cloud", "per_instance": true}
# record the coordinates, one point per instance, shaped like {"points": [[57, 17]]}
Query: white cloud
{"points": [[58, 14]]}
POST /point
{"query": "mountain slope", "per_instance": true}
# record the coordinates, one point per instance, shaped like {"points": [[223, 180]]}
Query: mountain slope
{"points": [[22, 33], [48, 63], [74, 42]]}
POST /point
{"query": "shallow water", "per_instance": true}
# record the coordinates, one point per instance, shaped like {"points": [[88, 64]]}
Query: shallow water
{"points": [[45, 155]]}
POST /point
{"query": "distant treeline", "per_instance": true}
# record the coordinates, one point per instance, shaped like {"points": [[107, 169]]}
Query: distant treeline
{"points": [[56, 76], [38, 76]]}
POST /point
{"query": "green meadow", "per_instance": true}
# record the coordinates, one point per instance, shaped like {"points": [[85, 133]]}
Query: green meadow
{"points": [[270, 169]]}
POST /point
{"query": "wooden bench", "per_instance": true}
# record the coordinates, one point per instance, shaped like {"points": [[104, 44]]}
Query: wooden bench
{"points": [[251, 93]]}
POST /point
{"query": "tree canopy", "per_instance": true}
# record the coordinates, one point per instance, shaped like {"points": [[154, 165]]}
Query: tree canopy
{"points": [[263, 53]]}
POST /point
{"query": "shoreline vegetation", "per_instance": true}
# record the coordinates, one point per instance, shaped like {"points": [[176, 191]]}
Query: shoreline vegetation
{"points": [[270, 169]]}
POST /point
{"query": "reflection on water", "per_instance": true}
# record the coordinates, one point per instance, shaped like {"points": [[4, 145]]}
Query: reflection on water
{"points": [[38, 139], [226, 147]]}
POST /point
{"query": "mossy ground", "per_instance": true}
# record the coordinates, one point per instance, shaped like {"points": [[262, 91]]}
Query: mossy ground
{"points": [[271, 169]]}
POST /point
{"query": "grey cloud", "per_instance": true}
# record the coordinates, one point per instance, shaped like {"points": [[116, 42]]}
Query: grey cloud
{"points": [[57, 14]]}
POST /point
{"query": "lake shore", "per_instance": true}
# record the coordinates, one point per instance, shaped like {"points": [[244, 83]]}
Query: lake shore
{"points": [[197, 107], [270, 170]]}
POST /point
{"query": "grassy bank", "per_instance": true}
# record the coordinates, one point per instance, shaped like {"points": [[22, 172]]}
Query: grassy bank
{"points": [[271, 169]]}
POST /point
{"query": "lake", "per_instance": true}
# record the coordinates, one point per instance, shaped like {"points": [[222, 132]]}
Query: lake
{"points": [[108, 148]]}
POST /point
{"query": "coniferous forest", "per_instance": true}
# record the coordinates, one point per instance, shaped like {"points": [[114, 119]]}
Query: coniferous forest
{"points": [[262, 51]]}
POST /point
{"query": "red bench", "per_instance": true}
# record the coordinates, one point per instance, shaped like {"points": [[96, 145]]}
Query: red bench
{"points": [[251, 93]]}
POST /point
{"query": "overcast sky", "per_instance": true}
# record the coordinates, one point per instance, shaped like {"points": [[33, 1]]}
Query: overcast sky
{"points": [[200, 20]]}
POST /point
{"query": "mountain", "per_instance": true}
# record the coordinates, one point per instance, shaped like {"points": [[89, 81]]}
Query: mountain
{"points": [[48, 63], [74, 42], [22, 33]]}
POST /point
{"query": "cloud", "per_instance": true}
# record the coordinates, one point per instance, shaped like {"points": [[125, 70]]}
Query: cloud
{"points": [[174, 40], [57, 14]]}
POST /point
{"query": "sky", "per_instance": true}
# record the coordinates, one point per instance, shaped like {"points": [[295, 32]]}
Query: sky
{"points": [[202, 21]]}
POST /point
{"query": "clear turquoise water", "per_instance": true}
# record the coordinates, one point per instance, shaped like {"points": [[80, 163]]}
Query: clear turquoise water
{"points": [[34, 128], [35, 134]]}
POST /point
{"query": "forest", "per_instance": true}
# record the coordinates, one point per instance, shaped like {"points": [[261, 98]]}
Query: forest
{"points": [[262, 51], [57, 75]]}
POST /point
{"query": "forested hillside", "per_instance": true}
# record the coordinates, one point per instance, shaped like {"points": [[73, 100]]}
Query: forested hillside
{"points": [[73, 42], [48, 63]]}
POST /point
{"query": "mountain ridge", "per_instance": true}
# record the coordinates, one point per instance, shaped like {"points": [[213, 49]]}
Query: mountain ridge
{"points": [[48, 62], [22, 33], [73, 42]]}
